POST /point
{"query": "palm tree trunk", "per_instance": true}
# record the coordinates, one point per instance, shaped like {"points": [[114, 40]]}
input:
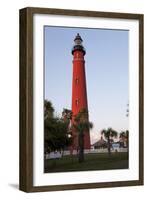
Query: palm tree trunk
{"points": [[128, 145], [81, 147], [62, 154], [109, 148]]}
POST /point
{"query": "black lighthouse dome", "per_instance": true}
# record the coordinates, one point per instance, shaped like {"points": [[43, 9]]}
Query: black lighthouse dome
{"points": [[78, 44]]}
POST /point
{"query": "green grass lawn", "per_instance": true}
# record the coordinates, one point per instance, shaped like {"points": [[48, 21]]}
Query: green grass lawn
{"points": [[99, 161]]}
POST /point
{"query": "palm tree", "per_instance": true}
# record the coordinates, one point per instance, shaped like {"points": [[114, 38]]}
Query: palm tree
{"points": [[109, 134], [81, 126], [125, 136]]}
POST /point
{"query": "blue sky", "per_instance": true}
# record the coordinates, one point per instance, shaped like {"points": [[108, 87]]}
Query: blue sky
{"points": [[106, 64]]}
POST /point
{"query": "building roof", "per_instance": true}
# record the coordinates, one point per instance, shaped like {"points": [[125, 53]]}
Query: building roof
{"points": [[100, 142]]}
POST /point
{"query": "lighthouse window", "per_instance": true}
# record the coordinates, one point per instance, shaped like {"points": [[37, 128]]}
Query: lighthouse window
{"points": [[77, 102], [77, 80]]}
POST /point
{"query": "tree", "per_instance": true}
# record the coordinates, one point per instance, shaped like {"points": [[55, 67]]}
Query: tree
{"points": [[109, 134], [55, 130], [56, 134], [124, 135], [48, 110], [67, 114], [81, 125]]}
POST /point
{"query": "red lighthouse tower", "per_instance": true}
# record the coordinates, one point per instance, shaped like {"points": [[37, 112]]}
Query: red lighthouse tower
{"points": [[79, 92]]}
